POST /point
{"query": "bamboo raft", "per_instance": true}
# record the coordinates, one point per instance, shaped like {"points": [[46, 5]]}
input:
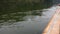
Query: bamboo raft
{"points": [[53, 26]]}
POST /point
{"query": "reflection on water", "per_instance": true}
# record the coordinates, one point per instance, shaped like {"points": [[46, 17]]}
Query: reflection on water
{"points": [[32, 24]]}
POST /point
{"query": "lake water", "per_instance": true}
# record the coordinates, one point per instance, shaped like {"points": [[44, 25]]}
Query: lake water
{"points": [[31, 24]]}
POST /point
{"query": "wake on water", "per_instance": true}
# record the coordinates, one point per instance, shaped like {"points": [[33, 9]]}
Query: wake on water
{"points": [[45, 14], [31, 25]]}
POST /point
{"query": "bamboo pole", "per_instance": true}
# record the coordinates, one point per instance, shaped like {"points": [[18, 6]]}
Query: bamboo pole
{"points": [[53, 26]]}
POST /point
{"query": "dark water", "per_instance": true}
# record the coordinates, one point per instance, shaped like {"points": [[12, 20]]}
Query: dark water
{"points": [[56, 1], [32, 24]]}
